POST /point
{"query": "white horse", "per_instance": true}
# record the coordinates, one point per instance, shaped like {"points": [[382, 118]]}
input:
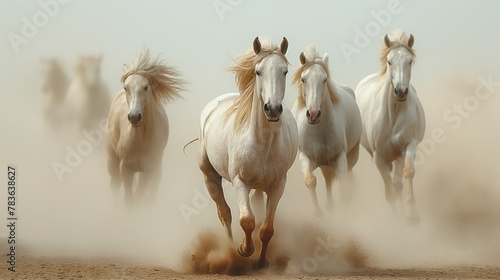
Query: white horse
{"points": [[250, 139], [329, 124], [87, 100], [137, 129], [54, 86], [393, 119]]}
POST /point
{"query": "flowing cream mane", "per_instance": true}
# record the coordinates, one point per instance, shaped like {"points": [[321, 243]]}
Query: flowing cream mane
{"points": [[164, 80], [312, 57], [244, 69]]}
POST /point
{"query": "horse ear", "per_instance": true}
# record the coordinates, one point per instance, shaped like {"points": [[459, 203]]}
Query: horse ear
{"points": [[256, 45], [302, 58], [325, 58], [411, 41], [284, 45], [387, 41]]}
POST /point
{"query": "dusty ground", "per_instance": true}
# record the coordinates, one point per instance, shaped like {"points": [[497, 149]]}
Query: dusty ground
{"points": [[41, 267]]}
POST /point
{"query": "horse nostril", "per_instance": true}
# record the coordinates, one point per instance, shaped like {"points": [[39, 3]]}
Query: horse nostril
{"points": [[308, 114], [129, 118], [139, 117], [319, 114], [280, 108], [266, 108]]}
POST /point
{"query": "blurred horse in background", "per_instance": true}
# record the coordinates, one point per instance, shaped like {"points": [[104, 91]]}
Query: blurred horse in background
{"points": [[393, 120], [54, 86], [138, 129], [88, 100], [329, 125]]}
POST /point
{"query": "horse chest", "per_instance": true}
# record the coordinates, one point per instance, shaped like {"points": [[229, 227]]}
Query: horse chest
{"points": [[321, 144]]}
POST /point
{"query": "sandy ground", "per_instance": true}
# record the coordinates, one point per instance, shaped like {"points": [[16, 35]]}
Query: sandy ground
{"points": [[30, 267]]}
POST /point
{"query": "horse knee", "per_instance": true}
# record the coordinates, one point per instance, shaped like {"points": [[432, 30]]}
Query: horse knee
{"points": [[409, 171], [310, 180], [247, 223], [266, 233]]}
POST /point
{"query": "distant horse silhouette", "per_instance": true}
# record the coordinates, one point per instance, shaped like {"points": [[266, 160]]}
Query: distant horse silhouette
{"points": [[54, 87], [88, 100], [250, 139], [137, 129]]}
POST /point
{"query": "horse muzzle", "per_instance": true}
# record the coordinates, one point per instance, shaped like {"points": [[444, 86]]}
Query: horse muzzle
{"points": [[401, 94], [135, 119], [273, 113], [313, 116]]}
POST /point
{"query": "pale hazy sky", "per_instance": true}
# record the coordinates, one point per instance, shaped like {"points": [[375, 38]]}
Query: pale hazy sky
{"points": [[200, 40]]}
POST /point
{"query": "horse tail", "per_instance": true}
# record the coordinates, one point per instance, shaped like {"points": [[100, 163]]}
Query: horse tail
{"points": [[188, 143]]}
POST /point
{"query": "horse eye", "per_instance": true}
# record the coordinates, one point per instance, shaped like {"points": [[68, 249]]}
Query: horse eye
{"points": [[302, 80], [388, 62], [325, 81], [145, 88], [124, 88], [411, 61], [257, 72], [286, 72]]}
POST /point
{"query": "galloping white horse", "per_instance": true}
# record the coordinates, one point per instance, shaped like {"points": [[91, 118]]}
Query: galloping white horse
{"points": [[88, 100], [393, 119], [137, 129], [250, 139], [329, 124], [54, 86]]}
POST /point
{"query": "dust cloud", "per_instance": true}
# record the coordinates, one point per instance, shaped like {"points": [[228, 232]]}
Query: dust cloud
{"points": [[75, 214]]}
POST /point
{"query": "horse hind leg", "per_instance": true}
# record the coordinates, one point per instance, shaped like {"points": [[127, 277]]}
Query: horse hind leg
{"points": [[258, 204], [409, 172], [213, 182]]}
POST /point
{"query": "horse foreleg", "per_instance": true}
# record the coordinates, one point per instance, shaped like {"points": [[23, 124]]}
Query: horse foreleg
{"points": [[267, 228], [385, 171], [128, 180], [342, 168], [409, 172], [247, 218], [329, 178], [397, 179], [114, 172], [310, 181], [147, 186]]}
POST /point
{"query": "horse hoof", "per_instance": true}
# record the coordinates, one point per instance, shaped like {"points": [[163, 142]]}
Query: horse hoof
{"points": [[243, 253], [413, 221]]}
